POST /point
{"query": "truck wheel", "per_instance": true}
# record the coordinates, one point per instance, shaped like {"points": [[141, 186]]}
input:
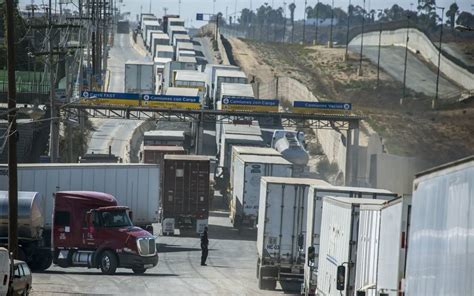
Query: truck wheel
{"points": [[108, 262], [139, 270], [41, 262]]}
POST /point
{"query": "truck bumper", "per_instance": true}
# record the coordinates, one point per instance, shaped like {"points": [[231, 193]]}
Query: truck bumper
{"points": [[136, 261]]}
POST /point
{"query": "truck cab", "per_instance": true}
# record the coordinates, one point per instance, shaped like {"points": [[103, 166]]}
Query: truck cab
{"points": [[91, 230]]}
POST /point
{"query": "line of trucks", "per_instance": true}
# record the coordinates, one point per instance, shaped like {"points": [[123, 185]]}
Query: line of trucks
{"points": [[179, 67]]}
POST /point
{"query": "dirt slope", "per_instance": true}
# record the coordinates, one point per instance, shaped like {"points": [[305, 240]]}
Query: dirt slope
{"points": [[412, 129]]}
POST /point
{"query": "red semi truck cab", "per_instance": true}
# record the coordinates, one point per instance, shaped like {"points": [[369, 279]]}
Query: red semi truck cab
{"points": [[90, 230]]}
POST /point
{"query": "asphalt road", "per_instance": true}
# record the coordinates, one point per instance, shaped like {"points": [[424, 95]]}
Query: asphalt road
{"points": [[420, 77], [231, 269], [116, 132]]}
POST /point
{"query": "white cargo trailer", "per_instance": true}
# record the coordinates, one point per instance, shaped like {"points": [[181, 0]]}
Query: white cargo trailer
{"points": [[139, 77], [180, 38], [440, 244], [134, 185], [226, 76], [338, 251], [240, 128], [159, 39], [170, 72], [210, 70], [313, 225], [282, 229], [248, 150], [248, 169], [394, 222]]}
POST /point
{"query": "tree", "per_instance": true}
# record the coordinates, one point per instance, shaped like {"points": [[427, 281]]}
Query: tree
{"points": [[292, 8], [465, 19], [451, 14]]}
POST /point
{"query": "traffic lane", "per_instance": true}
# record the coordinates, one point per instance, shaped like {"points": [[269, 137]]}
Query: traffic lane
{"points": [[112, 132], [231, 269], [206, 49], [420, 77]]}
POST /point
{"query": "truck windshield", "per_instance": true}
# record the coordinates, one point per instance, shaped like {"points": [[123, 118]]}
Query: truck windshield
{"points": [[114, 219]]}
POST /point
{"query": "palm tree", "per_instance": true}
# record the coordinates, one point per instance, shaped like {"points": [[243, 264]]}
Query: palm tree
{"points": [[292, 8], [451, 14]]}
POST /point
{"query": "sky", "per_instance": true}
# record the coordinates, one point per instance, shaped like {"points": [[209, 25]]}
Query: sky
{"points": [[189, 8]]}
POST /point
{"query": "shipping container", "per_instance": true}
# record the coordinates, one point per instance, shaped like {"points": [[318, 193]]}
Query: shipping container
{"points": [[185, 46], [149, 42], [210, 70], [156, 154], [339, 243], [164, 51], [238, 128], [147, 26], [180, 38], [145, 17], [248, 150], [186, 190], [313, 225], [226, 76], [171, 20], [139, 77], [230, 140], [175, 30], [134, 185], [440, 243], [170, 72], [394, 226], [248, 169], [282, 229], [234, 90], [158, 39], [164, 137], [179, 91]]}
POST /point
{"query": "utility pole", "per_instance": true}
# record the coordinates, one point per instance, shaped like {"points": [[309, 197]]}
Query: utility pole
{"points": [[378, 55], [304, 21], [362, 41], [12, 133], [434, 104], [316, 24], [54, 128], [406, 60], [332, 24], [349, 12]]}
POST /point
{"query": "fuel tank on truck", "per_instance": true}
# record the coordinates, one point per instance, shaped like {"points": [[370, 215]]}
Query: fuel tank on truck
{"points": [[30, 214], [290, 145]]}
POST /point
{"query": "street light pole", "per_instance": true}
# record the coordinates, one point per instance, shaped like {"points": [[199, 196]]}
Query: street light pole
{"points": [[332, 22], [316, 24], [304, 21], [378, 57], [434, 104], [12, 132], [406, 59], [349, 11], [362, 41]]}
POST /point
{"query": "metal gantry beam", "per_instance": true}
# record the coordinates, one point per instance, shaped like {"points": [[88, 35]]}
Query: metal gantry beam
{"points": [[286, 119]]}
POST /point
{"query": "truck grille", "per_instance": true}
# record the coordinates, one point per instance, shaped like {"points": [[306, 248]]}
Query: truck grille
{"points": [[146, 246]]}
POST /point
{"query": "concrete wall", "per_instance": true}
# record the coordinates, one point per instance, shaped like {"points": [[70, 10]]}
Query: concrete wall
{"points": [[419, 42]]}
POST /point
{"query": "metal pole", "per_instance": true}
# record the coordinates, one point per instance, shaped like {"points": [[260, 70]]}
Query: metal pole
{"points": [[53, 128], [12, 133], [304, 21], [316, 24], [378, 57], [349, 11], [332, 23], [406, 59], [362, 42], [435, 101]]}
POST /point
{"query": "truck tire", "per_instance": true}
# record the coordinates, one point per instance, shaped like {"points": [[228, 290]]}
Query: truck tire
{"points": [[41, 262], [139, 270], [108, 262]]}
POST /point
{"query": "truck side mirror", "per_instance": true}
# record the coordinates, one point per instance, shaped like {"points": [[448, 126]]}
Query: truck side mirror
{"points": [[311, 256], [341, 277], [90, 221]]}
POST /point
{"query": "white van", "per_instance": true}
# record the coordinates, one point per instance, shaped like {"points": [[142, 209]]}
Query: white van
{"points": [[4, 271]]}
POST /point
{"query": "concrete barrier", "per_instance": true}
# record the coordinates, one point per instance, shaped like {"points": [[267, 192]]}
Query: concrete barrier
{"points": [[419, 43]]}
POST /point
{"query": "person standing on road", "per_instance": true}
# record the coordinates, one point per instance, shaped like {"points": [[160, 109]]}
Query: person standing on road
{"points": [[204, 247]]}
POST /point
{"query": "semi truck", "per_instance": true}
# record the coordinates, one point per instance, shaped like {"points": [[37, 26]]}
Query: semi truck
{"points": [[248, 169], [440, 243], [91, 230], [226, 76], [134, 185], [313, 225], [344, 233], [139, 77], [281, 230], [185, 195]]}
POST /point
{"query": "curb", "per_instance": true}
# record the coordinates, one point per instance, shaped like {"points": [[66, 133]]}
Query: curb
{"points": [[136, 47]]}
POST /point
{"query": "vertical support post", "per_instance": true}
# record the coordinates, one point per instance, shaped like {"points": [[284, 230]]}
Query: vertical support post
{"points": [[53, 128], [406, 59], [378, 55], [434, 104], [362, 42], [352, 154], [12, 132], [332, 24], [349, 12]]}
